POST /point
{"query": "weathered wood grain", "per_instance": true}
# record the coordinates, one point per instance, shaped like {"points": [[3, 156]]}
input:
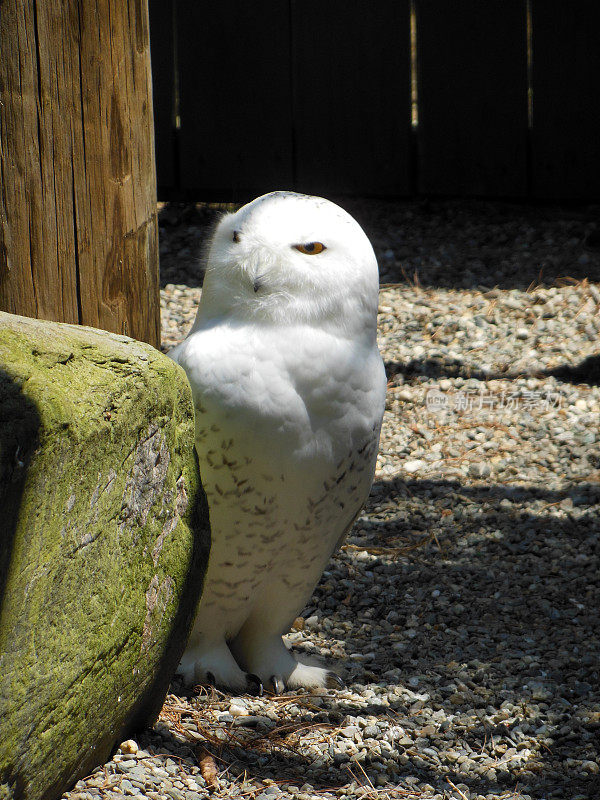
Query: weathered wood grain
{"points": [[78, 226]]}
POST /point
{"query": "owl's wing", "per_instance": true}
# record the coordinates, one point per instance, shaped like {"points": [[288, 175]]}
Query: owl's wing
{"points": [[174, 353], [340, 541]]}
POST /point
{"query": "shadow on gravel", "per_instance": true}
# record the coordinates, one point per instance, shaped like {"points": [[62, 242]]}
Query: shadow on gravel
{"points": [[495, 617], [443, 368], [183, 230], [587, 372], [480, 244], [251, 758], [492, 622], [452, 244]]}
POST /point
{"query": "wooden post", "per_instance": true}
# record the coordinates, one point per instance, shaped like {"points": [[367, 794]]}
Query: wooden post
{"points": [[78, 222]]}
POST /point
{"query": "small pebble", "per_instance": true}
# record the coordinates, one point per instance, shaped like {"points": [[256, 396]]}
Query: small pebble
{"points": [[129, 746], [238, 709], [413, 465]]}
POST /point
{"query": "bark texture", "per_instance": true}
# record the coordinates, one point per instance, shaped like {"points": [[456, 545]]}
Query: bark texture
{"points": [[78, 224]]}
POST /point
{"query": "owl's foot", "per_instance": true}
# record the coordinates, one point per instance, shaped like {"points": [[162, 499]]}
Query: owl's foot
{"points": [[255, 685], [328, 681], [307, 676], [334, 681], [276, 666], [214, 664]]}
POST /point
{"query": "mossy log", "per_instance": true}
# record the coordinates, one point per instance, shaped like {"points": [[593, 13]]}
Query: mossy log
{"points": [[103, 545]]}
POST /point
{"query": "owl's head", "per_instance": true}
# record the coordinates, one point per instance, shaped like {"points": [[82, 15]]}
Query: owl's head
{"points": [[290, 258]]}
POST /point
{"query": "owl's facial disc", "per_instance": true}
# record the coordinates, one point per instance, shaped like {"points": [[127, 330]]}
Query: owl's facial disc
{"points": [[290, 258], [257, 281]]}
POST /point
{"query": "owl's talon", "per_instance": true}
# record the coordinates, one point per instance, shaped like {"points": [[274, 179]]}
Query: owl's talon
{"points": [[254, 684], [278, 684], [334, 681]]}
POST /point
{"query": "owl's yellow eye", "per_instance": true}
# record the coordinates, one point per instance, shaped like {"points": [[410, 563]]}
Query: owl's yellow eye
{"points": [[311, 248]]}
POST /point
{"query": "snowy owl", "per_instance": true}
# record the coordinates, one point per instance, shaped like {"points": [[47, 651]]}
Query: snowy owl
{"points": [[289, 391]]}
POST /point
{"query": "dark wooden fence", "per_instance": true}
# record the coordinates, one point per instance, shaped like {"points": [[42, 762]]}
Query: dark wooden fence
{"points": [[387, 98]]}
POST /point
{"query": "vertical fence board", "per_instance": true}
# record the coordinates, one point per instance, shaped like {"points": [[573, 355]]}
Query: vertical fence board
{"points": [[472, 85], [235, 103], [163, 91], [566, 99], [351, 72]]}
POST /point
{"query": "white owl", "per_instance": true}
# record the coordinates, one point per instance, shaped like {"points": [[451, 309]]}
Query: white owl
{"points": [[289, 391]]}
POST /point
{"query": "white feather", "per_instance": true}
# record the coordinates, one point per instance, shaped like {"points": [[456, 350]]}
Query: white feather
{"points": [[289, 392]]}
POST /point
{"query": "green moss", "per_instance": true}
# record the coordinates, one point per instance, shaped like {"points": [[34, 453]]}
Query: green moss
{"points": [[105, 545]]}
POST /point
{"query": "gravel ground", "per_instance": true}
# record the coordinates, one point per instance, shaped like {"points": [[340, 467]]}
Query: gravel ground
{"points": [[462, 611]]}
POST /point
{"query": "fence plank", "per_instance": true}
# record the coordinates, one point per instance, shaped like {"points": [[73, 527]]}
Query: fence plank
{"points": [[472, 85], [235, 98], [163, 89], [566, 91], [351, 65]]}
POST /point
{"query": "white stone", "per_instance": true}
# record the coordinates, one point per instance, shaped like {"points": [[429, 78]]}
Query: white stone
{"points": [[413, 466]]}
